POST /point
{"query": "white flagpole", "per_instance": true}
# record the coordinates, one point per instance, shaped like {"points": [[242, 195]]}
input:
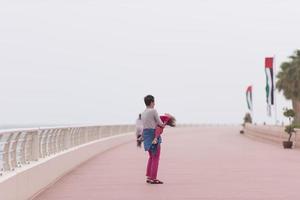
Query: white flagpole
{"points": [[252, 105], [275, 93]]}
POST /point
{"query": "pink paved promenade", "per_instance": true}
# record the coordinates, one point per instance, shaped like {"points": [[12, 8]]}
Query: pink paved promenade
{"points": [[197, 163]]}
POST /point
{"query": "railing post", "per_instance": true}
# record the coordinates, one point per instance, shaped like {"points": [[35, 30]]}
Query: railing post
{"points": [[100, 130], [67, 138], [111, 130], [86, 134], [35, 146]]}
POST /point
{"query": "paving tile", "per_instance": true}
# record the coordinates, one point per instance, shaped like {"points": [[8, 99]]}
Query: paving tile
{"points": [[206, 163]]}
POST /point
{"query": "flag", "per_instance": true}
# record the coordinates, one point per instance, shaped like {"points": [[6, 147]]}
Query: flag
{"points": [[249, 97], [269, 80]]}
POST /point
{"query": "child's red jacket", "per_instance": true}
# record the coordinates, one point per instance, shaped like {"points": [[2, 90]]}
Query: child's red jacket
{"points": [[159, 129]]}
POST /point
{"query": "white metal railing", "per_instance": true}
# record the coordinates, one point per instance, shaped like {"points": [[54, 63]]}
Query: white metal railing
{"points": [[20, 147]]}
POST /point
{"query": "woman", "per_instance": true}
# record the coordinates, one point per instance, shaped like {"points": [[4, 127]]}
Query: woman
{"points": [[151, 120]]}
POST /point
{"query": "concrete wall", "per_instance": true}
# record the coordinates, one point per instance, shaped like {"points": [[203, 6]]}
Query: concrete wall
{"points": [[271, 134], [28, 181]]}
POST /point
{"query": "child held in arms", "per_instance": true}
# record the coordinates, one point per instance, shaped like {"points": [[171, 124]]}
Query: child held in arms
{"points": [[167, 119]]}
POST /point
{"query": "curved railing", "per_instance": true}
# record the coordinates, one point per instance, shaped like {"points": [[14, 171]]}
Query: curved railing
{"points": [[20, 147]]}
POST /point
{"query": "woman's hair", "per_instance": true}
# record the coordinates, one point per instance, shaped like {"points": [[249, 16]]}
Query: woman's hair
{"points": [[148, 99], [140, 116]]}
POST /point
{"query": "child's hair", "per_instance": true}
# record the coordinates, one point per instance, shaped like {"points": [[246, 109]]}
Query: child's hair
{"points": [[172, 121], [148, 99]]}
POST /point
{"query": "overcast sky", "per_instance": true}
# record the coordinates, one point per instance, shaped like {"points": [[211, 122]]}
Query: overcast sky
{"points": [[92, 61]]}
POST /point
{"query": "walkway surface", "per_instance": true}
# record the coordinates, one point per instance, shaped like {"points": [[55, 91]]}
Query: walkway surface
{"points": [[197, 163]]}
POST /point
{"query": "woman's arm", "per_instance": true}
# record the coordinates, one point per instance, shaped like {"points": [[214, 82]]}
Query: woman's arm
{"points": [[157, 119]]}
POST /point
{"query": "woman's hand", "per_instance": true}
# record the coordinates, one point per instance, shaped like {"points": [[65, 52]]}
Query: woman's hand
{"points": [[154, 141]]}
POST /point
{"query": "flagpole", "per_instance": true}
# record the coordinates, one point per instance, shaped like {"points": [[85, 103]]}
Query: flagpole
{"points": [[275, 93], [267, 100], [252, 104]]}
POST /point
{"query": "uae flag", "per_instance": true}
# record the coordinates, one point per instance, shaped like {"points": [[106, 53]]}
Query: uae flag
{"points": [[269, 80], [249, 97]]}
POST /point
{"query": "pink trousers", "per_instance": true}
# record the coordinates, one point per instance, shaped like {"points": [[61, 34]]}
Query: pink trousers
{"points": [[153, 162]]}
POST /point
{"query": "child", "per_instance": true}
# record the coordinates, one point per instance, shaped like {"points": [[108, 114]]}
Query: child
{"points": [[167, 119]]}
